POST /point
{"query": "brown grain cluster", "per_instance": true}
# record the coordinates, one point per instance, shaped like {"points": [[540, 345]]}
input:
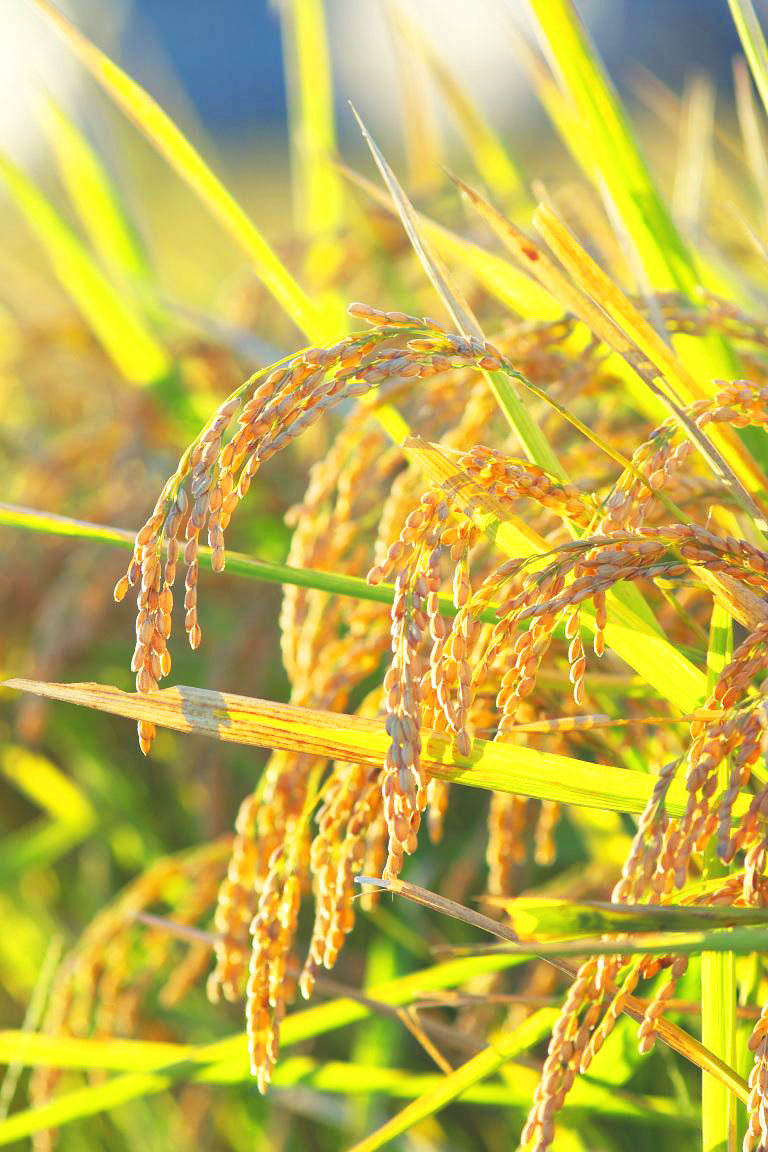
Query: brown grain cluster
{"points": [[475, 644]]}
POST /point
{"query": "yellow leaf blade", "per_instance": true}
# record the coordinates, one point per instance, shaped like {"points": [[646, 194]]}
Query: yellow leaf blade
{"points": [[173, 145], [455, 1084], [93, 196], [133, 349], [266, 724], [489, 155]]}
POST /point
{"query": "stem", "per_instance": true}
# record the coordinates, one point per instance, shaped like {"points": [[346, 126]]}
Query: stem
{"points": [[718, 970]]}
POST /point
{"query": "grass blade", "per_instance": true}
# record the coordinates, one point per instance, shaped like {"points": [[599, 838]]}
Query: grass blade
{"points": [[94, 197], [50, 524], [488, 153], [531, 437], [502, 281], [266, 724], [673, 1036], [534, 919], [718, 970], [224, 1061], [133, 349], [612, 148], [318, 187], [453, 1086], [753, 42], [173, 145]]}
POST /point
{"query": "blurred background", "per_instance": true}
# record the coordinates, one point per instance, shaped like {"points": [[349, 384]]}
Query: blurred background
{"points": [[219, 69], [223, 64]]}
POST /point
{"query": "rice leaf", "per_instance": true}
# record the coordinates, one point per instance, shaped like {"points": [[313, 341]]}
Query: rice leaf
{"points": [[723, 450], [457, 307], [515, 290], [453, 1086], [746, 939], [318, 187], [488, 152], [419, 124], [738, 941], [112, 1054], [718, 969], [524, 250], [718, 1033], [609, 144], [42, 841], [753, 42], [676, 381], [562, 113], [173, 145], [511, 533], [124, 335], [44, 784], [50, 524], [335, 1077], [535, 444], [348, 1078], [743, 939], [534, 919], [69, 815], [224, 1061], [616, 166], [694, 167], [32, 1019], [530, 256], [751, 131], [266, 724], [94, 197], [720, 650]]}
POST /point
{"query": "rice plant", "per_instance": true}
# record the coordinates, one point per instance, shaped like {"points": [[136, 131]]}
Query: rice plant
{"points": [[529, 559]]}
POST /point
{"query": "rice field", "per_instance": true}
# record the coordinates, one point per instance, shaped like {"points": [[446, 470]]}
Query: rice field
{"points": [[384, 728]]}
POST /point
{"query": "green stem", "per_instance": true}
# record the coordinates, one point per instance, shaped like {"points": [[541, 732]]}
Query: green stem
{"points": [[718, 970]]}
